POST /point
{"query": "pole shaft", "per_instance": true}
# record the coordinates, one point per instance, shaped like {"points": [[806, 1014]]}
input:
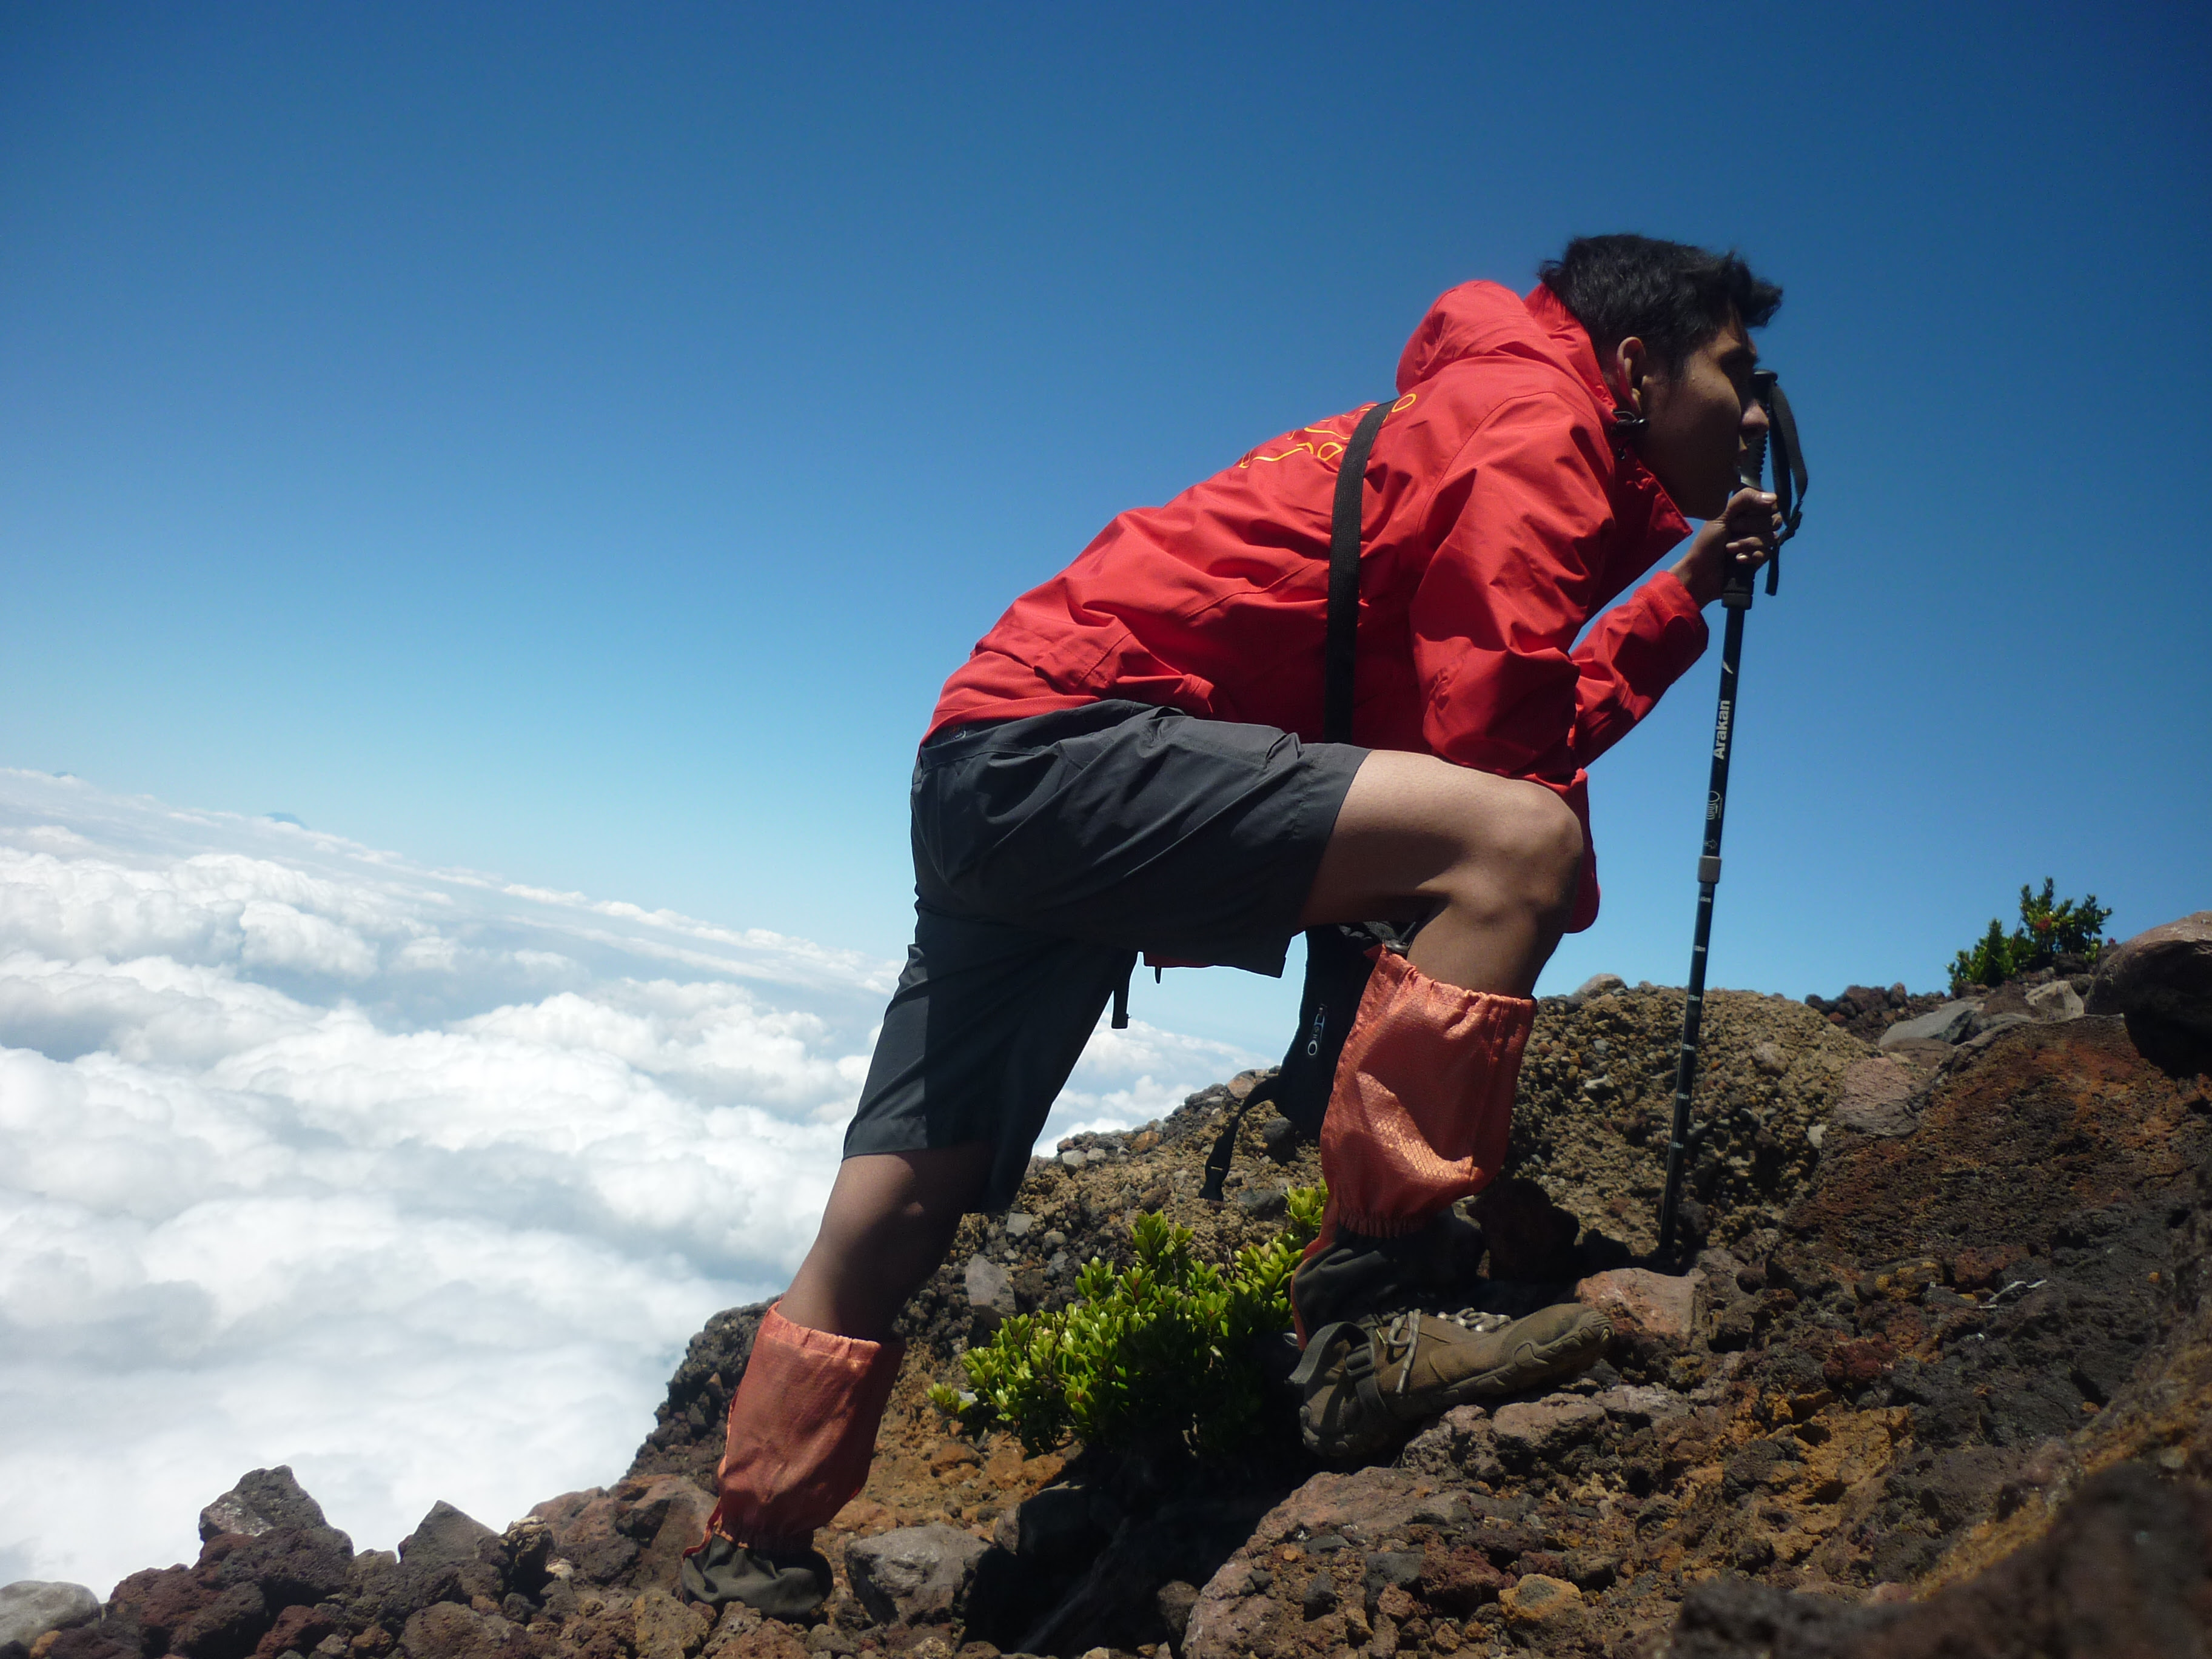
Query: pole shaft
{"points": [[1737, 595], [1693, 1008]]}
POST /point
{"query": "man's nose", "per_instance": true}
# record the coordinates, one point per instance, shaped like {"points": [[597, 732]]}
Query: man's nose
{"points": [[1755, 421]]}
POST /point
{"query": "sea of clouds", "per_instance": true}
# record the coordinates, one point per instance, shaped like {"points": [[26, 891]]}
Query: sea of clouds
{"points": [[416, 1180]]}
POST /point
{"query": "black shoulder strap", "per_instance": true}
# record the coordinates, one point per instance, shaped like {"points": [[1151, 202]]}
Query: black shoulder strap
{"points": [[1343, 643], [1338, 650]]}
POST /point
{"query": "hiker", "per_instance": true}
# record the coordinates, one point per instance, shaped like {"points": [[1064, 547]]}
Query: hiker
{"points": [[1128, 763]]}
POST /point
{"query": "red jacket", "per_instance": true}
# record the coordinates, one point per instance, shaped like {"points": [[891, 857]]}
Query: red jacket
{"points": [[1496, 521]]}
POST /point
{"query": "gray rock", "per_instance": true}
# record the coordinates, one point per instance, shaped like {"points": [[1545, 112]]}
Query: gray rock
{"points": [[1597, 985], [264, 1500], [2056, 1001], [1770, 1060], [913, 1573], [1280, 1138], [989, 1284], [1948, 1024], [30, 1607], [1059, 1527], [1987, 1029], [2164, 974], [1539, 1431], [1018, 1224], [1638, 1404], [1461, 1441], [1174, 1601], [1263, 1203], [445, 1534], [1074, 1157]]}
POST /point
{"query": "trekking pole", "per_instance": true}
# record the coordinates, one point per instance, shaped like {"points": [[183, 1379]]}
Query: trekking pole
{"points": [[1736, 595]]}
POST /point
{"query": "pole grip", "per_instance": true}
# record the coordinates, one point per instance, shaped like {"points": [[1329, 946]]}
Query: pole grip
{"points": [[1736, 590]]}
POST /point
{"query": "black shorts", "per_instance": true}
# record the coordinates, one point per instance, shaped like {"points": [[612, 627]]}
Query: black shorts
{"points": [[1049, 851]]}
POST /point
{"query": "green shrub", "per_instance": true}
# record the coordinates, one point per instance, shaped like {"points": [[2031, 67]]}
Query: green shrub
{"points": [[2050, 928], [1158, 1352]]}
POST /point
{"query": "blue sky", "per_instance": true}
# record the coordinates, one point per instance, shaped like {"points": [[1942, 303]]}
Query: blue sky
{"points": [[576, 442]]}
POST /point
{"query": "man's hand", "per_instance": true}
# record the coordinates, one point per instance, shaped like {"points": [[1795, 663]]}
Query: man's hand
{"points": [[1742, 538]]}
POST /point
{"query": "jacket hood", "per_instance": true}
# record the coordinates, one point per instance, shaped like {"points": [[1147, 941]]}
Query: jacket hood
{"points": [[1483, 320], [1478, 319]]}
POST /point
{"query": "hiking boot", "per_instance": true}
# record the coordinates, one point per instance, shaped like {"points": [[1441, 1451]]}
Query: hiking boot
{"points": [[1366, 1381], [1355, 1273], [776, 1584]]}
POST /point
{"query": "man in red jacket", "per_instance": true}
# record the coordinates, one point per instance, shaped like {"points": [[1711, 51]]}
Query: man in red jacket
{"points": [[1129, 762]]}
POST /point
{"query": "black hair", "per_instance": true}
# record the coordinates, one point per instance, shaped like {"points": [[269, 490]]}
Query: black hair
{"points": [[1670, 295]]}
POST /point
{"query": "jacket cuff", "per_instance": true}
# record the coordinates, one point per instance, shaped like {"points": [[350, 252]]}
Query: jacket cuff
{"points": [[1673, 625]]}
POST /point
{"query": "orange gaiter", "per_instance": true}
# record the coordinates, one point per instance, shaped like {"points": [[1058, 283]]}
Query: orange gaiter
{"points": [[802, 1430], [1422, 1104]]}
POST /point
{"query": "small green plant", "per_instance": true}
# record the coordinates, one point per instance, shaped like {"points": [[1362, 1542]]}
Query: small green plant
{"points": [[1158, 1352], [2050, 928]]}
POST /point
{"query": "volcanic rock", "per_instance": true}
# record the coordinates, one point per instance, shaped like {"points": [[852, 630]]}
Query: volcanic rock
{"points": [[1972, 1363], [264, 1500], [442, 1535], [444, 1631], [1527, 1432], [1540, 1598], [1597, 985], [32, 1607], [915, 1574], [1878, 1098], [1949, 1023], [2056, 1001], [2160, 982], [1663, 1305]]}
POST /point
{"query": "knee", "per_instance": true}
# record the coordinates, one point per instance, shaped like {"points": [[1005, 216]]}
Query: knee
{"points": [[1549, 849], [1533, 849]]}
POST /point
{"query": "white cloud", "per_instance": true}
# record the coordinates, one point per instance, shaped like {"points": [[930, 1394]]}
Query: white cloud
{"points": [[416, 1180]]}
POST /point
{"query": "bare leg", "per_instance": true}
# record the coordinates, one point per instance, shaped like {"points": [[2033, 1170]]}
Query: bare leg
{"points": [[1492, 863], [1488, 867], [889, 1222]]}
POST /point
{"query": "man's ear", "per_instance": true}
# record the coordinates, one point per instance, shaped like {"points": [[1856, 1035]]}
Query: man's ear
{"points": [[1629, 369]]}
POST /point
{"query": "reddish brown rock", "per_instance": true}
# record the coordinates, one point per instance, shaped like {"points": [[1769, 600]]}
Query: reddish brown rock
{"points": [[1861, 1360], [1662, 1305], [297, 1629], [445, 1630], [1459, 1580], [771, 1640], [584, 1532], [158, 1599], [1877, 1099], [672, 1513], [666, 1628]]}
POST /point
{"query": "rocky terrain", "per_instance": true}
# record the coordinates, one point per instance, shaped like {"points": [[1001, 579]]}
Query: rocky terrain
{"points": [[1933, 1378]]}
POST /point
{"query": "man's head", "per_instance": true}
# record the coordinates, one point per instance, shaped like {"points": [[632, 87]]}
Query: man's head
{"points": [[1671, 325]]}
